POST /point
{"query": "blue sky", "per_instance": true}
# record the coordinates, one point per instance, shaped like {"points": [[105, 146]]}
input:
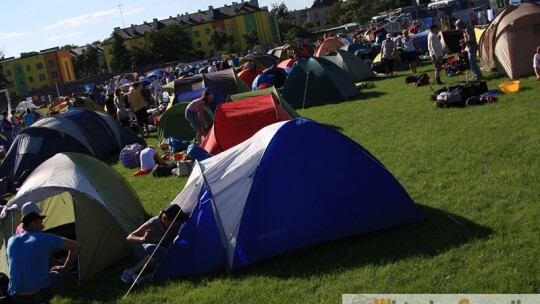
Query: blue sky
{"points": [[34, 25]]}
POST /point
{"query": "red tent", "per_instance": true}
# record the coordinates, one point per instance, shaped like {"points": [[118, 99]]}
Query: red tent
{"points": [[248, 75], [287, 63], [328, 45], [237, 121]]}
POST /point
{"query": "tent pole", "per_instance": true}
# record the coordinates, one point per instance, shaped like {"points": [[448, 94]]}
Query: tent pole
{"points": [[305, 92]]}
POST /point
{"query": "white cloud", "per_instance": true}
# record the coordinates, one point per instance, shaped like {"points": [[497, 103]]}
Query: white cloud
{"points": [[13, 35], [90, 18], [60, 37]]}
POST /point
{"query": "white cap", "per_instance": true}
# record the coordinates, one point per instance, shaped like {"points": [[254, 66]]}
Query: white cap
{"points": [[30, 207]]}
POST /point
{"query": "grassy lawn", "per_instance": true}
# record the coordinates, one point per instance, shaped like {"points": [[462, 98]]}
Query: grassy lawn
{"points": [[473, 171]]}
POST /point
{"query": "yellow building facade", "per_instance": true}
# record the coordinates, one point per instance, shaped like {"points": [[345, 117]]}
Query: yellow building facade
{"points": [[236, 20], [36, 70]]}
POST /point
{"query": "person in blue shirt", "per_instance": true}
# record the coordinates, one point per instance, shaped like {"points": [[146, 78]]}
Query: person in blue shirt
{"points": [[29, 118], [31, 279]]}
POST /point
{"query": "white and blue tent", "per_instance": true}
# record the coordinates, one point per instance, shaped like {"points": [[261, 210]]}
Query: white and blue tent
{"points": [[293, 184]]}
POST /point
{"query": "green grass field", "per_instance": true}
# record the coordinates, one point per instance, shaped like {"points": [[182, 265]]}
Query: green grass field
{"points": [[473, 171]]}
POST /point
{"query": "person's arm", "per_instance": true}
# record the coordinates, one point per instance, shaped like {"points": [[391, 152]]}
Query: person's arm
{"points": [[140, 235], [72, 247], [159, 160]]}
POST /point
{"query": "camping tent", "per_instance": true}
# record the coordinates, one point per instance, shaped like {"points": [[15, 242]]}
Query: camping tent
{"points": [[261, 61], [267, 196], [78, 130], [272, 90], [510, 39], [24, 105], [247, 75], [173, 123], [237, 121], [328, 45], [355, 67], [78, 189], [270, 77], [317, 81]]}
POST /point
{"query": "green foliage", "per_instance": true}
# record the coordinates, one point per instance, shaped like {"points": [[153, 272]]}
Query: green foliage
{"points": [[473, 171], [3, 79], [170, 43], [143, 55], [69, 47], [281, 11], [121, 56], [87, 63], [224, 43], [252, 38]]}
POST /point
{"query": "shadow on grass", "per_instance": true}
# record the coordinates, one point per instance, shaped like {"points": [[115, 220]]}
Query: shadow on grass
{"points": [[369, 94], [437, 233], [432, 236]]}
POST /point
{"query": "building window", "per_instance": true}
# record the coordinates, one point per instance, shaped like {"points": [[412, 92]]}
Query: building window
{"points": [[21, 82], [250, 22], [207, 31], [41, 77], [54, 74], [28, 69], [198, 44], [316, 15], [230, 27], [196, 33], [10, 84], [7, 73], [219, 29], [209, 42], [39, 65], [30, 79], [18, 70], [51, 63]]}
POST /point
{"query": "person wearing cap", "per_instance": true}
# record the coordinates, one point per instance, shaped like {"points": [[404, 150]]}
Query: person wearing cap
{"points": [[154, 236], [31, 279], [435, 51], [469, 43], [388, 51]]}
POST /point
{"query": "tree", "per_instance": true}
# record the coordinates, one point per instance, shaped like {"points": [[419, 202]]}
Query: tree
{"points": [[69, 47], [3, 79], [121, 56], [143, 55], [252, 38], [219, 39], [171, 43], [281, 11]]}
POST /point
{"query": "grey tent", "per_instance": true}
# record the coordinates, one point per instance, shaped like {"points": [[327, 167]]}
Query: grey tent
{"points": [[354, 66]]}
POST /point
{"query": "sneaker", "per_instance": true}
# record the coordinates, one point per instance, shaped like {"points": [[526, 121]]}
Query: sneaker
{"points": [[138, 281], [127, 276]]}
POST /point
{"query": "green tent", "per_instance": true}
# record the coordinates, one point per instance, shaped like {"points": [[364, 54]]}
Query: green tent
{"points": [[353, 65], [84, 199], [270, 90], [173, 123], [317, 81]]}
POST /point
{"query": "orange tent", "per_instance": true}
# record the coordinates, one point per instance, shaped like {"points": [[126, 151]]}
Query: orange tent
{"points": [[328, 45]]}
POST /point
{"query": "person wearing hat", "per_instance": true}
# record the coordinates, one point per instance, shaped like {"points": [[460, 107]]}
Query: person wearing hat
{"points": [[31, 279], [435, 51], [154, 236], [388, 51]]}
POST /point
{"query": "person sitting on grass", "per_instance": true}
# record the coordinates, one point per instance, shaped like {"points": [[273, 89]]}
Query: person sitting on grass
{"points": [[149, 158], [153, 238]]}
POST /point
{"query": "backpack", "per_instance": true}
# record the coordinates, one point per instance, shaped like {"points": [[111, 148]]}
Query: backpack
{"points": [[130, 155], [449, 99], [163, 170]]}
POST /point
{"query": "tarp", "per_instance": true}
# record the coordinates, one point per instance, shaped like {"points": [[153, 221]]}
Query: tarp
{"points": [[317, 81], [77, 188], [511, 39], [265, 197], [237, 121]]}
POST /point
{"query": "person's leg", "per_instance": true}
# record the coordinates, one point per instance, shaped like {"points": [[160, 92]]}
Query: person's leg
{"points": [[473, 49], [391, 67]]}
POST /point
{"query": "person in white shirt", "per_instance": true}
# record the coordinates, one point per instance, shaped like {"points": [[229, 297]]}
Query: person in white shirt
{"points": [[212, 68], [435, 51], [150, 158]]}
